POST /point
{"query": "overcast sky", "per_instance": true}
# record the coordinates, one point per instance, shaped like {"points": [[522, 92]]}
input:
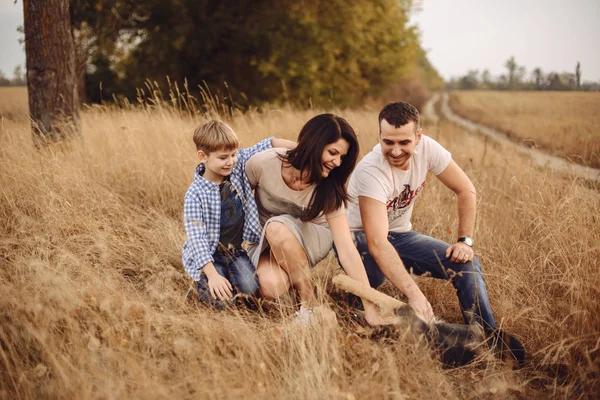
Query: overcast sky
{"points": [[458, 34], [481, 34]]}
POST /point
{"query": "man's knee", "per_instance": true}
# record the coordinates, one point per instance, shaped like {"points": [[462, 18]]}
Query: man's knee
{"points": [[468, 274]]}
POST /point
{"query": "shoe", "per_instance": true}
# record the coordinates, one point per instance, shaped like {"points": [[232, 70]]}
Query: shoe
{"points": [[248, 302], [305, 317]]}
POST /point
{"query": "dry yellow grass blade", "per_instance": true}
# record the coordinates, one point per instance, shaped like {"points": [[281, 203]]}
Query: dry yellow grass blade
{"points": [[92, 290], [564, 123]]}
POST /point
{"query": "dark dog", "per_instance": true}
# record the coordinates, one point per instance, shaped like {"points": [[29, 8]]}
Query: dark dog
{"points": [[459, 344]]}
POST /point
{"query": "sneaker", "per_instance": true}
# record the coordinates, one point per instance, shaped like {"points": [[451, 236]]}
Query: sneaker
{"points": [[305, 317], [248, 302]]}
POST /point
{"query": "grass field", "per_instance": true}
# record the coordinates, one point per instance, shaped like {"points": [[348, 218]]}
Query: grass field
{"points": [[13, 102], [92, 287], [563, 123]]}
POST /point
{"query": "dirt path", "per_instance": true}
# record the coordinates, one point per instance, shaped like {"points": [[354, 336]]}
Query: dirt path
{"points": [[539, 158]]}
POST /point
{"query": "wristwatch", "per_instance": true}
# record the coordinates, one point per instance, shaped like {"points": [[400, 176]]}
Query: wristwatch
{"points": [[466, 240]]}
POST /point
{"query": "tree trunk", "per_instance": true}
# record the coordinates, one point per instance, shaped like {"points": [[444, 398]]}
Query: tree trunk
{"points": [[51, 76]]}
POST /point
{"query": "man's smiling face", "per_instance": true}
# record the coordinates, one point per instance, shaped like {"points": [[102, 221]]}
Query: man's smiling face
{"points": [[398, 144]]}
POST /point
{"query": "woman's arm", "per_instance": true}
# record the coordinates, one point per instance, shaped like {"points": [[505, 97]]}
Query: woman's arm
{"points": [[351, 261]]}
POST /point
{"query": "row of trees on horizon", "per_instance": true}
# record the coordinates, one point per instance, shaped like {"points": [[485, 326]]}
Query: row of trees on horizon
{"points": [[18, 78], [518, 78], [515, 79]]}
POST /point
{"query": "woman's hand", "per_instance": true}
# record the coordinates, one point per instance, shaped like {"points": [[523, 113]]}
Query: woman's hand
{"points": [[374, 317]]}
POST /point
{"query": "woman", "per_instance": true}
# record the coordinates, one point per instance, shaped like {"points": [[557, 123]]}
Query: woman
{"points": [[301, 196]]}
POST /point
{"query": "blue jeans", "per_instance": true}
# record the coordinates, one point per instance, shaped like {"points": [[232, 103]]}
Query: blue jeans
{"points": [[422, 254], [236, 267]]}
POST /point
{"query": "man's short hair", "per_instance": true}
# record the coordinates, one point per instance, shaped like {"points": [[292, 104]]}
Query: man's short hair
{"points": [[400, 113], [215, 135]]}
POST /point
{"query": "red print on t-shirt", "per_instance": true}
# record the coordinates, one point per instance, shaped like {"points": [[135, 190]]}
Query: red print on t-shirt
{"points": [[405, 198]]}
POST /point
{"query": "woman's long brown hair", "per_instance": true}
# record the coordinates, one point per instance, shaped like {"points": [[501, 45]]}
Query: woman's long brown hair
{"points": [[330, 193]]}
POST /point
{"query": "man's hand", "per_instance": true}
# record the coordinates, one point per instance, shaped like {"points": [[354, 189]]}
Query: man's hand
{"points": [[460, 252], [419, 303]]}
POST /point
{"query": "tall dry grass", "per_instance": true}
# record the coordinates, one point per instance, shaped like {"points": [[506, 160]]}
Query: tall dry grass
{"points": [[13, 102], [92, 290], [564, 123]]}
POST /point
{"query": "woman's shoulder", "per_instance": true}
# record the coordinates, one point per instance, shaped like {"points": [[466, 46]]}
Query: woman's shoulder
{"points": [[269, 155]]}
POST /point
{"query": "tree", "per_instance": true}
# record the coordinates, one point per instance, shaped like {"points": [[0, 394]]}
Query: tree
{"points": [[50, 61], [18, 78], [578, 75], [252, 51], [555, 82], [469, 81], [511, 66], [101, 30], [486, 79], [538, 76], [3, 80], [570, 80]]}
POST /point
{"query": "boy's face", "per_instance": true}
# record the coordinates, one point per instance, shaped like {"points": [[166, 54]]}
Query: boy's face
{"points": [[219, 164]]}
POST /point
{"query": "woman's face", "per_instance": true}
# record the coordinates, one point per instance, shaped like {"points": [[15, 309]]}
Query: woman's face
{"points": [[333, 155]]}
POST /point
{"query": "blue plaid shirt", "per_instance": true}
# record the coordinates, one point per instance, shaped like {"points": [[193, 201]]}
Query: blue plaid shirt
{"points": [[202, 212]]}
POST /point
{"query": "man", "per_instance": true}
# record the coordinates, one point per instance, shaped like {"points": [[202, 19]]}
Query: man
{"points": [[383, 189]]}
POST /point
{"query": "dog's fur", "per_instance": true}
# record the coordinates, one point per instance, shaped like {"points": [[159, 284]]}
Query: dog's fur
{"points": [[459, 344]]}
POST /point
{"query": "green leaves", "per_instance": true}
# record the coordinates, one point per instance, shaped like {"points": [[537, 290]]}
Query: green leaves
{"points": [[322, 53]]}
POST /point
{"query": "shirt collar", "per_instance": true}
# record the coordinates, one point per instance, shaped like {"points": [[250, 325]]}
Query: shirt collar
{"points": [[200, 169]]}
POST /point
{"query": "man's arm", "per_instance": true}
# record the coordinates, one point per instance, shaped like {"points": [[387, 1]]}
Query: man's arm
{"points": [[456, 180], [375, 222]]}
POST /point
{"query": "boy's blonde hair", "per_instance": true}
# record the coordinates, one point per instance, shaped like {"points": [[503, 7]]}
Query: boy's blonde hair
{"points": [[215, 135]]}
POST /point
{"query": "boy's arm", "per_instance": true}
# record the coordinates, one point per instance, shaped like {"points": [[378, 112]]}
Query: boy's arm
{"points": [[286, 144], [197, 235], [245, 154]]}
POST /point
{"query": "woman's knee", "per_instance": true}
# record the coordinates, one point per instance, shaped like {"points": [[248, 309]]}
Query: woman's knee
{"points": [[272, 284], [278, 234]]}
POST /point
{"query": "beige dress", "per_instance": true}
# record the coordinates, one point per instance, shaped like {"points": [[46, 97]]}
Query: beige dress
{"points": [[277, 202]]}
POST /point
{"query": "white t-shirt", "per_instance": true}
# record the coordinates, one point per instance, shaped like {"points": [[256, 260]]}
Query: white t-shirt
{"points": [[397, 189]]}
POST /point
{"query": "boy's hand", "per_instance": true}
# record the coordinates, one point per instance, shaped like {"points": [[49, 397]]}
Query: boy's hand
{"points": [[220, 288], [217, 284]]}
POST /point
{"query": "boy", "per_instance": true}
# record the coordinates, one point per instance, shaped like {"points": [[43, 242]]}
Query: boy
{"points": [[220, 213]]}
